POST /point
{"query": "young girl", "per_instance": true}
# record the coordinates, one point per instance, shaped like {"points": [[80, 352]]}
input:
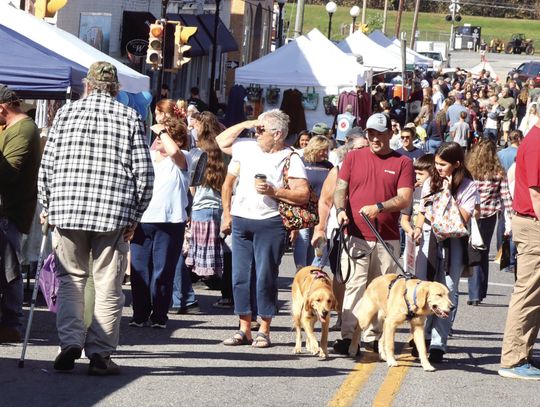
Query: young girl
{"points": [[447, 256]]}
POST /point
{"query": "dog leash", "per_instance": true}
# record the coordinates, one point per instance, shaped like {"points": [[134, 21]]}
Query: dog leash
{"points": [[379, 238]]}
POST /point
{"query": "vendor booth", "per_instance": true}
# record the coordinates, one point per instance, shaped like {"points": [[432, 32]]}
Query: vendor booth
{"points": [[413, 58], [310, 65], [371, 54]]}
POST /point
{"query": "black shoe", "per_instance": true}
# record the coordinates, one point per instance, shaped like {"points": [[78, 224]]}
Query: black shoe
{"points": [[475, 303], [341, 347], [66, 358], [9, 334], [372, 346], [414, 350], [102, 366], [192, 308], [436, 355]]}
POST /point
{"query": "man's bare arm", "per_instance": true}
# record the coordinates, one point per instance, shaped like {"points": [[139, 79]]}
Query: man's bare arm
{"points": [[401, 201], [535, 198], [341, 193]]}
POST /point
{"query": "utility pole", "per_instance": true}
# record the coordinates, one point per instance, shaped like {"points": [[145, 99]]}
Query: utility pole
{"points": [[385, 16], [415, 23], [364, 5], [398, 19], [299, 23], [213, 102]]}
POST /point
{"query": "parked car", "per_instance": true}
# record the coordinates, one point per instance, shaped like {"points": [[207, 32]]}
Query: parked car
{"points": [[527, 70]]}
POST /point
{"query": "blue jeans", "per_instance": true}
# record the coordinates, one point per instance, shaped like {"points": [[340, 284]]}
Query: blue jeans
{"points": [[183, 293], [155, 250], [436, 328], [262, 243], [491, 134], [478, 282], [432, 145], [303, 251], [11, 281]]}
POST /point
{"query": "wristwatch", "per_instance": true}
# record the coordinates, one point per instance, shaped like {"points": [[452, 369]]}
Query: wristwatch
{"points": [[380, 206], [339, 210]]}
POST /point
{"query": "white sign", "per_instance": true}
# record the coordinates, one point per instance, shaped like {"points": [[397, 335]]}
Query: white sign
{"points": [[454, 6]]}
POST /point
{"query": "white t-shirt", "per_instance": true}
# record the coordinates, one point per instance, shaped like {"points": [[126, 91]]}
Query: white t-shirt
{"points": [[247, 203], [169, 196]]}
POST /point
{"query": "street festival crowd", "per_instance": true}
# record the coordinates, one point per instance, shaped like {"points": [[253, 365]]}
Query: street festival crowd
{"points": [[115, 202]]}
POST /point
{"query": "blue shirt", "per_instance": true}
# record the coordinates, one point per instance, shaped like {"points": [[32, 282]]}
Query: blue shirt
{"points": [[413, 154], [317, 173], [507, 157]]}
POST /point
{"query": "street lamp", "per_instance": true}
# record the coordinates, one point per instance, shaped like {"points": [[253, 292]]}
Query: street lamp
{"points": [[355, 12], [331, 8], [281, 3]]}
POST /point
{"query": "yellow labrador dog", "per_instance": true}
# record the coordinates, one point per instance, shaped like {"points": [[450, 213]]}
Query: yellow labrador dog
{"points": [[312, 300], [392, 299]]}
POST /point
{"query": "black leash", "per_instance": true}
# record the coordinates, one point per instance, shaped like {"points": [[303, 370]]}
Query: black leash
{"points": [[343, 246], [407, 274]]}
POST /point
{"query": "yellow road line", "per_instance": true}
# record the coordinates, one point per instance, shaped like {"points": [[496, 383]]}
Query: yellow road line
{"points": [[392, 383], [348, 391]]}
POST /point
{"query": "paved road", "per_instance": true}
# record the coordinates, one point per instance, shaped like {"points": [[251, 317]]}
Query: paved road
{"points": [[185, 365]]}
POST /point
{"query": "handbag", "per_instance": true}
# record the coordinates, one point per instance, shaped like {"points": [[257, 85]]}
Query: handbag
{"points": [[254, 92], [503, 255], [476, 244], [297, 217], [310, 100], [330, 103], [447, 221], [272, 95], [49, 283]]}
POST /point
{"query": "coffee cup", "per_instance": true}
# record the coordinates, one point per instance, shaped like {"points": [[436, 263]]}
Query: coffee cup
{"points": [[260, 179]]}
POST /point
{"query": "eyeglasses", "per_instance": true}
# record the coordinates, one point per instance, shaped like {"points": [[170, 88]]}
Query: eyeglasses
{"points": [[394, 124], [405, 137], [261, 129]]}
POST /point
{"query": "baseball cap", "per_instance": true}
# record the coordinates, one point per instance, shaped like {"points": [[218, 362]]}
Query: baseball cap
{"points": [[102, 71], [7, 95], [320, 129], [379, 122]]}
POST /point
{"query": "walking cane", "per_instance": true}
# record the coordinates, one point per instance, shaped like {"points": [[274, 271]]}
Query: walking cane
{"points": [[45, 231]]}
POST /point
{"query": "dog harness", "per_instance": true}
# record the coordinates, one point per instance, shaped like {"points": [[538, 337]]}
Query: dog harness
{"points": [[410, 312]]}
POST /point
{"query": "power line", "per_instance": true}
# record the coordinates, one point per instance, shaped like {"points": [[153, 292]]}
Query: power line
{"points": [[490, 5]]}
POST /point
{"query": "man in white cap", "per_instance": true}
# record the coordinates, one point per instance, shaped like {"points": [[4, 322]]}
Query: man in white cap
{"points": [[378, 182]]}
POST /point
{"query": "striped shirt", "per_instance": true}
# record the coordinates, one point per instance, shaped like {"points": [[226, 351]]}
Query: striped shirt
{"points": [[492, 192], [96, 173]]}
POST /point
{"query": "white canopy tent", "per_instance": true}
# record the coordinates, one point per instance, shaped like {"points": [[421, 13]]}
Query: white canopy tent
{"points": [[395, 46], [69, 46], [419, 58], [373, 55], [304, 63]]}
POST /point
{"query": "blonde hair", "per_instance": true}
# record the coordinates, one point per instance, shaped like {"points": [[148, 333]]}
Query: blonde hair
{"points": [[315, 144]]}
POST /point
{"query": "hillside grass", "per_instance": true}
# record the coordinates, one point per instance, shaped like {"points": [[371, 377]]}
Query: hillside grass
{"points": [[429, 24]]}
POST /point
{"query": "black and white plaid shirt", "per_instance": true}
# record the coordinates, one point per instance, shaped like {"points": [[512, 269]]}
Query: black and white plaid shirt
{"points": [[96, 173]]}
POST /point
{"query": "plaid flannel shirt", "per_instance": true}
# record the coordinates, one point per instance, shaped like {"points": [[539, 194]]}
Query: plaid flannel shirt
{"points": [[96, 173], [492, 192]]}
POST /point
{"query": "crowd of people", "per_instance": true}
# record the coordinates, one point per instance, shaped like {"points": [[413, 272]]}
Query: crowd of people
{"points": [[116, 202]]}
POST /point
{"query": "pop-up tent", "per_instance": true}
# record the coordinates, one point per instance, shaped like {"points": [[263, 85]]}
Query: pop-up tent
{"points": [[373, 55], [304, 63], [33, 71], [68, 46], [413, 58]]}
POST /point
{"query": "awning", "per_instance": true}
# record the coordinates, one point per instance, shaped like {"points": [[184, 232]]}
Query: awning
{"points": [[135, 27], [224, 37], [201, 42]]}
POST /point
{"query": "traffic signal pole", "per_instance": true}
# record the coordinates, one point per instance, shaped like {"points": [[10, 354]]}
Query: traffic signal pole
{"points": [[164, 4]]}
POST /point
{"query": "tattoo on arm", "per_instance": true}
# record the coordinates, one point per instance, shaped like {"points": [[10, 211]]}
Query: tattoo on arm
{"points": [[342, 191]]}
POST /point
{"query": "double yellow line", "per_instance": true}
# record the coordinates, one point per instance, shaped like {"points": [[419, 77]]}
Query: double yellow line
{"points": [[353, 384]]}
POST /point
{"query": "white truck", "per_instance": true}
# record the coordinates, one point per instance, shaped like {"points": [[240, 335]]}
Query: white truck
{"points": [[436, 50]]}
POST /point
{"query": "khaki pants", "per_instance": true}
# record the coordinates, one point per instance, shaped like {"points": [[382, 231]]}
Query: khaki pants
{"points": [[523, 318], [363, 271], [73, 250]]}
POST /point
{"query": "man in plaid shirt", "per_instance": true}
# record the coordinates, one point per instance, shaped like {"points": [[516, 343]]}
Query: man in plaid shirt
{"points": [[95, 182]]}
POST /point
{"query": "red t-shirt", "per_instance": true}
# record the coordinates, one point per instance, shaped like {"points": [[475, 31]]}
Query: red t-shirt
{"points": [[527, 172], [373, 178]]}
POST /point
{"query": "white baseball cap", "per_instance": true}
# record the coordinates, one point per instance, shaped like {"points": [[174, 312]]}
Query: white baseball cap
{"points": [[379, 122]]}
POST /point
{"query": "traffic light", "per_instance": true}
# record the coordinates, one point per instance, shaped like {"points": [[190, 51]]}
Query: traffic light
{"points": [[48, 8], [181, 38], [154, 55]]}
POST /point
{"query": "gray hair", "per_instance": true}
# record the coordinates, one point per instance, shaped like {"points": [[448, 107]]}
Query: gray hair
{"points": [[275, 119]]}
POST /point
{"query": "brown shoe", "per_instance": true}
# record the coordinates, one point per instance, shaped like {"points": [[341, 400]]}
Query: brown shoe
{"points": [[102, 366], [9, 334]]}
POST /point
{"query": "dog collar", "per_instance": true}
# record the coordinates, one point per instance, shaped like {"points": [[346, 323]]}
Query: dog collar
{"points": [[410, 312]]}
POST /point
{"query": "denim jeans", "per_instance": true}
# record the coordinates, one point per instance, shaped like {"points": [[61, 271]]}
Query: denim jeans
{"points": [[258, 242], [432, 145], [436, 328], [183, 293], [11, 281], [155, 250], [491, 134], [303, 251], [478, 282]]}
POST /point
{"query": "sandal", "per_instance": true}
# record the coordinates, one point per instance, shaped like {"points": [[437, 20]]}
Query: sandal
{"points": [[261, 341], [239, 338]]}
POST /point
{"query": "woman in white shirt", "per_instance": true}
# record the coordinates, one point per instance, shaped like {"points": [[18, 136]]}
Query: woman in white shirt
{"points": [[156, 245], [258, 234]]}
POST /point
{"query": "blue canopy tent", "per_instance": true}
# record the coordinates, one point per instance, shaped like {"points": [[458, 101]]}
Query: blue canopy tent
{"points": [[35, 72]]}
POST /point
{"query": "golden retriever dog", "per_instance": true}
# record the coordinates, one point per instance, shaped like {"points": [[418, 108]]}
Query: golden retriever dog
{"points": [[312, 300], [389, 301]]}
